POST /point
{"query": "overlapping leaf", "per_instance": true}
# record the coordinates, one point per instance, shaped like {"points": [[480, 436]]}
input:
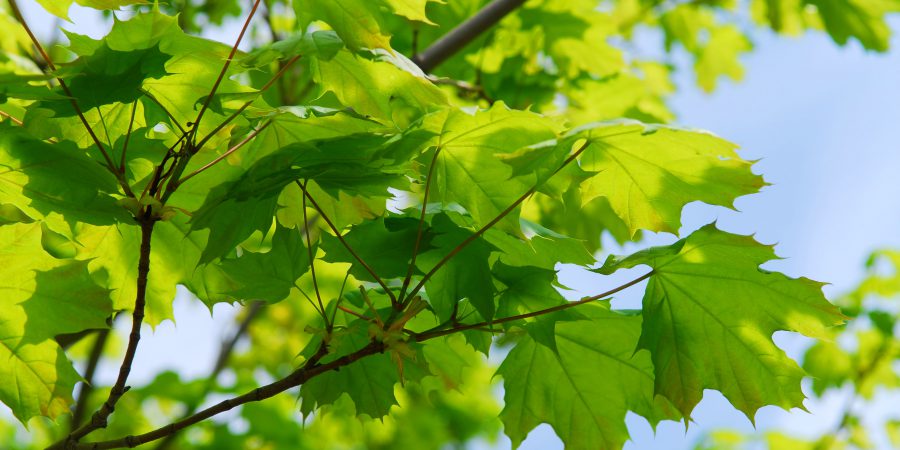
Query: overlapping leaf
{"points": [[41, 297], [648, 173], [709, 315], [562, 388]]}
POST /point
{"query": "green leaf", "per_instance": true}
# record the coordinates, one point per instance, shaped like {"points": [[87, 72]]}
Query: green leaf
{"points": [[709, 316], [377, 88], [321, 44], [860, 19], [562, 389], [108, 76], [271, 275], [55, 182], [466, 276], [43, 297], [649, 173], [235, 209], [386, 245], [471, 167]]}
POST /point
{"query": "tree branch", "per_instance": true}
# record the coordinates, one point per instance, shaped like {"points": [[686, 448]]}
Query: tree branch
{"points": [[309, 370], [87, 387], [221, 361], [481, 325], [99, 419], [466, 32]]}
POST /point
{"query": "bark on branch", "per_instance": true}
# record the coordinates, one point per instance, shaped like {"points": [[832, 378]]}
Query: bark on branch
{"points": [[466, 32]]}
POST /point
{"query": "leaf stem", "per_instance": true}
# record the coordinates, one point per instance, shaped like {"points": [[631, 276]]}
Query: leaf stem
{"points": [[228, 152], [312, 257], [40, 48], [127, 137], [493, 222], [356, 256], [11, 118], [224, 70], [247, 104], [477, 326], [412, 262], [99, 419]]}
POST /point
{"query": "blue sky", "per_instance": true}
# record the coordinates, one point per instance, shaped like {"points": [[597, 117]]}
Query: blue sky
{"points": [[822, 120]]}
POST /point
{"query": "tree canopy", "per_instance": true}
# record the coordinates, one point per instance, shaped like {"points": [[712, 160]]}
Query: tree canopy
{"points": [[389, 188]]}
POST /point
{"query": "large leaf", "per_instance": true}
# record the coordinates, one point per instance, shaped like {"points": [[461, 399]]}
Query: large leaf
{"points": [[42, 297], [649, 173], [270, 275], [377, 88], [55, 182], [466, 276], [585, 388], [709, 316], [471, 170]]}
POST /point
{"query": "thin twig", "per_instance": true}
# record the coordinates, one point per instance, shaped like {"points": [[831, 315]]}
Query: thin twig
{"points": [[87, 386]]}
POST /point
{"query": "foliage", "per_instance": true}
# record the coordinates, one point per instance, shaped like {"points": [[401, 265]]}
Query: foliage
{"points": [[857, 361], [381, 225]]}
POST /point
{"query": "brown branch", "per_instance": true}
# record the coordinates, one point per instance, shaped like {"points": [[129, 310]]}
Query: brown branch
{"points": [[356, 256], [309, 370], [40, 48], [87, 386], [466, 32], [481, 325], [225, 352], [99, 419]]}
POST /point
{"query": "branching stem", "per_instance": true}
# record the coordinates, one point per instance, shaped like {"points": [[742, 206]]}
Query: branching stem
{"points": [[99, 419]]}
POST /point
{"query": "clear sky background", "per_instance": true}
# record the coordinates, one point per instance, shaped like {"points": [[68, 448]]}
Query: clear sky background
{"points": [[823, 121]]}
